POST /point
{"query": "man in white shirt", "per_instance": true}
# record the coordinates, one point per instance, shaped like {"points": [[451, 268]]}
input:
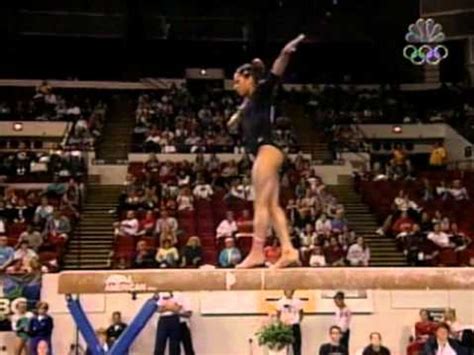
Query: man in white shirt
{"points": [[290, 311], [441, 344], [343, 318], [227, 227], [169, 325], [440, 238]]}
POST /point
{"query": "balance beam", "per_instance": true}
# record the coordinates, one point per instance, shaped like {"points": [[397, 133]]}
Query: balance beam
{"points": [[150, 281]]}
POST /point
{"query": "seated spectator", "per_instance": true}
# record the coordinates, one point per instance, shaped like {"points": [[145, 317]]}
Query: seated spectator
{"points": [[438, 157], [149, 201], [376, 347], [442, 190], [425, 327], [334, 253], [412, 243], [358, 253], [323, 225], [272, 252], [237, 191], [167, 255], [441, 343], [437, 218], [192, 253], [445, 225], [458, 238], [56, 189], [307, 203], [317, 258], [399, 163], [347, 238], [404, 203], [115, 330], [426, 225], [43, 211], [168, 234], [22, 258], [166, 222], [21, 212], [230, 169], [438, 237], [143, 258], [6, 253], [202, 190], [32, 236], [183, 179], [339, 222], [334, 346], [147, 224], [129, 226], [458, 192], [228, 227], [403, 224], [449, 317], [185, 200], [230, 256], [307, 238], [57, 227], [245, 225], [428, 192], [152, 165]]}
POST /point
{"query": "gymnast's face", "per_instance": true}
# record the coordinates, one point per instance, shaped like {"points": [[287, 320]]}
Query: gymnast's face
{"points": [[243, 85]]}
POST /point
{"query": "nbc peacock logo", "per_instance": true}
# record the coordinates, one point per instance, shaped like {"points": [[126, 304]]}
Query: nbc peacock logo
{"points": [[425, 38]]}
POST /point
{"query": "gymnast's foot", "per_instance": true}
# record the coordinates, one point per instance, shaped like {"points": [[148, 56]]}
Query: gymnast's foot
{"points": [[289, 258], [254, 259]]}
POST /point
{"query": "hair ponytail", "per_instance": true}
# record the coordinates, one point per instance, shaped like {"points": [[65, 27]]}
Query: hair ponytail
{"points": [[255, 69]]}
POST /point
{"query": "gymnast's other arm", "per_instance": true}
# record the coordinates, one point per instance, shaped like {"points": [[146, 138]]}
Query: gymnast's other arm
{"points": [[237, 116], [281, 62]]}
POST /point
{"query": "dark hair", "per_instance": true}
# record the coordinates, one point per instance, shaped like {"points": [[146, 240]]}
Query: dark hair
{"points": [[255, 69], [339, 295], [117, 313], [375, 333], [335, 327], [444, 325]]}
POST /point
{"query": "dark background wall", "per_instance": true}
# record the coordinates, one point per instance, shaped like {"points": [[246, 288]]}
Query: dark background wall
{"points": [[355, 40]]}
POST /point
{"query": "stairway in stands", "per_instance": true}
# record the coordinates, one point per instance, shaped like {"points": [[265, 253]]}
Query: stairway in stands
{"points": [[310, 138], [117, 137], [383, 250], [93, 240]]}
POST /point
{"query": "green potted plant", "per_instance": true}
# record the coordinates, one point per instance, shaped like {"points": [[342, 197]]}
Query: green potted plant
{"points": [[275, 336]]}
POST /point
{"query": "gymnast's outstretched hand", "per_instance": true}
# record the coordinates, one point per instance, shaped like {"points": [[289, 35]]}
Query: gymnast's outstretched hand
{"points": [[280, 64], [291, 46]]}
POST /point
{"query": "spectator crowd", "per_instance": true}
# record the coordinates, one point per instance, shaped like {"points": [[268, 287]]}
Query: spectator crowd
{"points": [[200, 212], [176, 120], [35, 226]]}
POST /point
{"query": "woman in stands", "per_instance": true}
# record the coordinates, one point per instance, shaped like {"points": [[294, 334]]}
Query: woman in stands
{"points": [[254, 114]]}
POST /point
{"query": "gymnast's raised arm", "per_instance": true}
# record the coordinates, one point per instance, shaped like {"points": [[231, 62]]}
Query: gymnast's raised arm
{"points": [[280, 64]]}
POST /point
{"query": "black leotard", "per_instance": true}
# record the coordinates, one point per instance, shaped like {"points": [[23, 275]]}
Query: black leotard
{"points": [[256, 122]]}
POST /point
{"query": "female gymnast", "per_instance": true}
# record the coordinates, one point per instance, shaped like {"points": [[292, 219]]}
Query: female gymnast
{"points": [[254, 116]]}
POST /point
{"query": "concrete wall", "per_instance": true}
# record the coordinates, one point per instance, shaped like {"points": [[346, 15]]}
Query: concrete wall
{"points": [[393, 313], [34, 129], [453, 141]]}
